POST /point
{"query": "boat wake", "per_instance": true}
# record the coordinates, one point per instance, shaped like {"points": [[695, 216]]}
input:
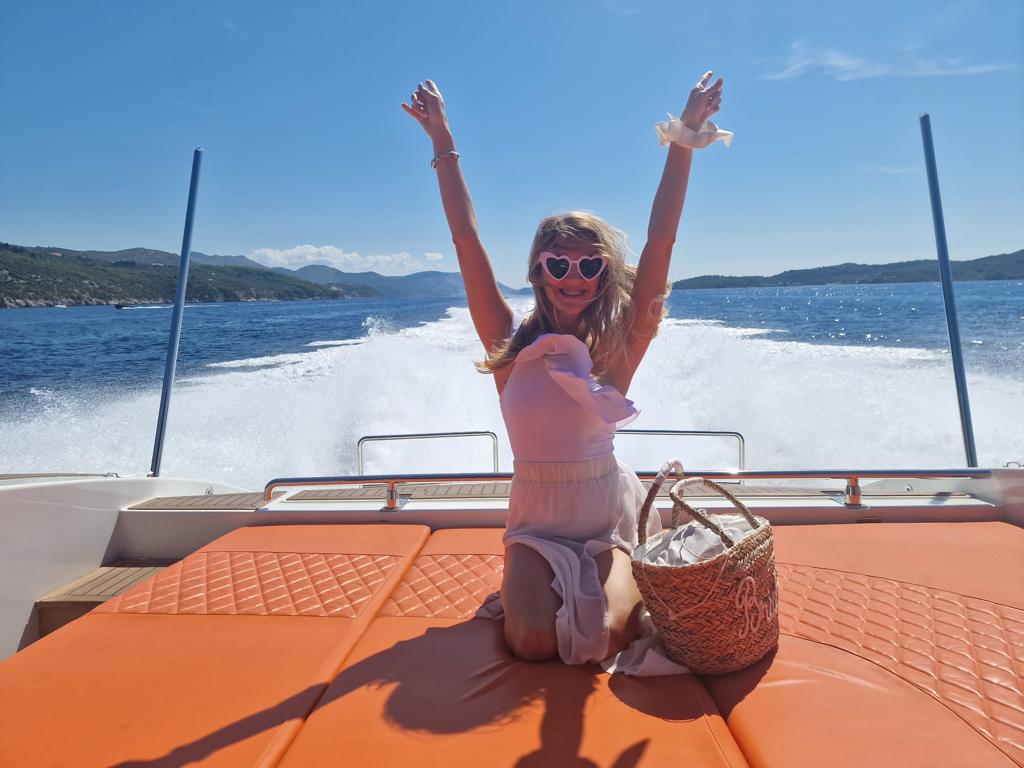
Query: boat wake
{"points": [[799, 405]]}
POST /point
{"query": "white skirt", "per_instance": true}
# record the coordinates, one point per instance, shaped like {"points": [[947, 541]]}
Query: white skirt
{"points": [[570, 512]]}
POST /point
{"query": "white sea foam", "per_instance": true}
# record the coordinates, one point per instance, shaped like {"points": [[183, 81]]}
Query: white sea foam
{"points": [[798, 405], [697, 321], [334, 343], [746, 332], [261, 362], [207, 305]]}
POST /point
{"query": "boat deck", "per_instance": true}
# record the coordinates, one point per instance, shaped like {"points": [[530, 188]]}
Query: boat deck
{"points": [[353, 644], [76, 599]]}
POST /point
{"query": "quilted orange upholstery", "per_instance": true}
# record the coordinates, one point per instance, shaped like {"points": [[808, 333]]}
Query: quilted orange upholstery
{"points": [[216, 661], [983, 560], [813, 705], [964, 652], [903, 644], [430, 685], [445, 586], [260, 583]]}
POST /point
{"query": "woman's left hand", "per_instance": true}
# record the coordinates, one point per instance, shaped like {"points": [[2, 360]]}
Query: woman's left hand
{"points": [[704, 101]]}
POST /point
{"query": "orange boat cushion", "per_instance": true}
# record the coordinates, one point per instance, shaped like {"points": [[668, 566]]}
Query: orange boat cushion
{"points": [[903, 644], [218, 659], [810, 705], [984, 560], [428, 684]]}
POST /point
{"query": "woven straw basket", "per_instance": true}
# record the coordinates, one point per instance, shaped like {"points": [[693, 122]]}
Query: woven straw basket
{"points": [[719, 615]]}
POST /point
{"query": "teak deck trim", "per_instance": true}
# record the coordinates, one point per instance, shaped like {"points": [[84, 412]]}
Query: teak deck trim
{"points": [[74, 600], [494, 490], [217, 501], [105, 582]]}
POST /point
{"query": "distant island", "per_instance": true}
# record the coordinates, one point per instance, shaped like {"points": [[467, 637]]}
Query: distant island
{"points": [[32, 276], [1006, 266], [46, 277], [420, 285]]}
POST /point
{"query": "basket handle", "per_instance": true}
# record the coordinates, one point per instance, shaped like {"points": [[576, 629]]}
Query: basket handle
{"points": [[673, 466], [676, 492]]}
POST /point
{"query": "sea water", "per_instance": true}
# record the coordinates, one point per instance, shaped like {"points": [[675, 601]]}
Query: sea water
{"points": [[814, 377]]}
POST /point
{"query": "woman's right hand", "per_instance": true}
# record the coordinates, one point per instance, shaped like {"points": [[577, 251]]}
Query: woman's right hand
{"points": [[491, 314], [704, 101], [427, 107]]}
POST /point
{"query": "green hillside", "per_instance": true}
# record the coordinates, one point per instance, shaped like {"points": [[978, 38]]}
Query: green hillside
{"points": [[1006, 266], [40, 277], [37, 277], [153, 256]]}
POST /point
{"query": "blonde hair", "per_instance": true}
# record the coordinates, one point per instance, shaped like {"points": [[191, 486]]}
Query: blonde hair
{"points": [[605, 324]]}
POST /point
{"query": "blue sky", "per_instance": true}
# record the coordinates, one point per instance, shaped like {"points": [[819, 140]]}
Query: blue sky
{"points": [[309, 157]]}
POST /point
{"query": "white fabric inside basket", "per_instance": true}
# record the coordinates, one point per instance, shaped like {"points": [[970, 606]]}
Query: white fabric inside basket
{"points": [[692, 542]]}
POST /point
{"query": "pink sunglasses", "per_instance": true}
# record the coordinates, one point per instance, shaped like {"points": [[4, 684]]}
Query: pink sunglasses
{"points": [[559, 266]]}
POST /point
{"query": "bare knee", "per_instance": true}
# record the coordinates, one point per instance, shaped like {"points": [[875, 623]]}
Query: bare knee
{"points": [[530, 605], [623, 626], [623, 599], [531, 641]]}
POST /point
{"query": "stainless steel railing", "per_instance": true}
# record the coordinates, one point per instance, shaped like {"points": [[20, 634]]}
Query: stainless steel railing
{"points": [[741, 444], [851, 476], [423, 436]]}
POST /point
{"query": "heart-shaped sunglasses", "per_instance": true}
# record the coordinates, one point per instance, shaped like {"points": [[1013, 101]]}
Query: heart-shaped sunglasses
{"points": [[559, 266]]}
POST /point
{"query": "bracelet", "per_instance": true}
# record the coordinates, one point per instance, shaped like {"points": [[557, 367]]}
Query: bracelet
{"points": [[674, 132], [450, 153]]}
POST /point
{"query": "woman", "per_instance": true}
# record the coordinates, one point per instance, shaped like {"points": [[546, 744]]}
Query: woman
{"points": [[562, 376]]}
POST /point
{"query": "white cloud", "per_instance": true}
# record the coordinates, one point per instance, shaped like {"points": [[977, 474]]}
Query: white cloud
{"points": [[950, 66], [842, 66], [401, 263], [926, 27], [802, 59]]}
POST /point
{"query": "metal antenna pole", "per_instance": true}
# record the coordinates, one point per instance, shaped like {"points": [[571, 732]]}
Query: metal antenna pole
{"points": [[947, 293], [179, 310]]}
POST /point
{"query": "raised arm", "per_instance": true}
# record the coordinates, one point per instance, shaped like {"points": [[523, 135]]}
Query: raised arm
{"points": [[492, 316], [652, 272]]}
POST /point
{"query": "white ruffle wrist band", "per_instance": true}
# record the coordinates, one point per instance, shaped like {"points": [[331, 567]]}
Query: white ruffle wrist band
{"points": [[674, 132]]}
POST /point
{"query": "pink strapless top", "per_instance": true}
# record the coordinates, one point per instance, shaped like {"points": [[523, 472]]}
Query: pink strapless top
{"points": [[554, 409]]}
